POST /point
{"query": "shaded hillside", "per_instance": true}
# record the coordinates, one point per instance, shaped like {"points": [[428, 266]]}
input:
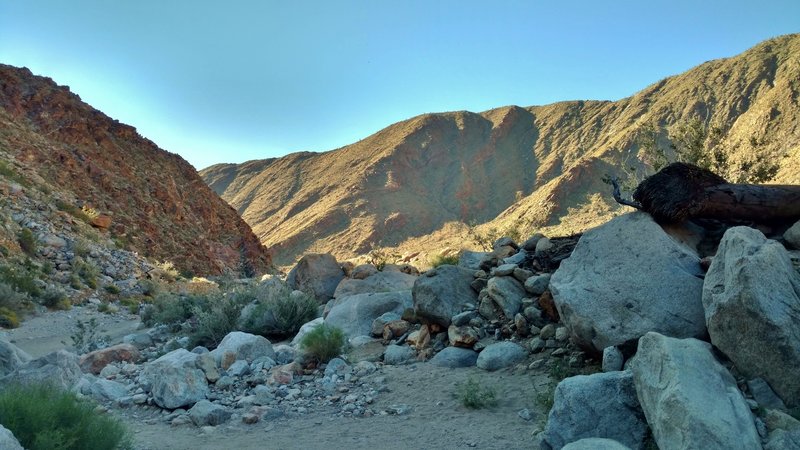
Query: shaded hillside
{"points": [[511, 166], [157, 202]]}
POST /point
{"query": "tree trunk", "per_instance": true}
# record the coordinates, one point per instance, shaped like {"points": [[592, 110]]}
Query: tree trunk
{"points": [[683, 191]]}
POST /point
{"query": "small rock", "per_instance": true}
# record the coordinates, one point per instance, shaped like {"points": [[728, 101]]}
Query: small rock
{"points": [[612, 359], [525, 414]]}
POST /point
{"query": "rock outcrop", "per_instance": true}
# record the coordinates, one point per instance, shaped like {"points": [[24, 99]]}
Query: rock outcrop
{"points": [[690, 400], [752, 305], [628, 277], [138, 193]]}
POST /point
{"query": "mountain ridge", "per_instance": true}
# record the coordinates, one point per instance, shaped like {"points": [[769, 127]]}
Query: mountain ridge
{"points": [[157, 203], [529, 167]]}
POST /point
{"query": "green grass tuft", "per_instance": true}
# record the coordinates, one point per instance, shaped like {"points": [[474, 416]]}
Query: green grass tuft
{"points": [[323, 343]]}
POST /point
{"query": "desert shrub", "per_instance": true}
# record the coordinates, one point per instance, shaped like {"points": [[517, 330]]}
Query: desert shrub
{"points": [[106, 308], [278, 311], [323, 343], [86, 337], [20, 277], [441, 260], [171, 309], [150, 288], [87, 271], [75, 282], [47, 268], [13, 300], [132, 302], [112, 289], [81, 248], [12, 174], [475, 396], [46, 417], [213, 322], [8, 318], [27, 242], [54, 298], [546, 398], [169, 269]]}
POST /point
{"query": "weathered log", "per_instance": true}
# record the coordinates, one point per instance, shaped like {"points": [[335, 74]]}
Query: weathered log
{"points": [[682, 191]]}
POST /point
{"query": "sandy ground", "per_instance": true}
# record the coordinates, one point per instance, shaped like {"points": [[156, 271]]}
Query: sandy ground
{"points": [[436, 418]]}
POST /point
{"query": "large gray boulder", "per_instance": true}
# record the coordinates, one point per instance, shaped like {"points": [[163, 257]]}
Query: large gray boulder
{"points": [[11, 357], [792, 236], [174, 380], [501, 355], [454, 357], [8, 441], [316, 274], [206, 413], [175, 387], [625, 278], [59, 368], [442, 293], [506, 293], [378, 282], [110, 390], [752, 306], [244, 346], [355, 314], [602, 405], [783, 440], [689, 399]]}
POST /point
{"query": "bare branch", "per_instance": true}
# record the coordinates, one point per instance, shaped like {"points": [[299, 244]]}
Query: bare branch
{"points": [[618, 196]]}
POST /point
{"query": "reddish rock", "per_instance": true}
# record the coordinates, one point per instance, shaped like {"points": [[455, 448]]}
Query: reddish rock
{"points": [[548, 306], [464, 336], [395, 329], [95, 361], [102, 221]]}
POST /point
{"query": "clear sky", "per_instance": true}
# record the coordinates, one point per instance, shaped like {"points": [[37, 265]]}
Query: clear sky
{"points": [[229, 81]]}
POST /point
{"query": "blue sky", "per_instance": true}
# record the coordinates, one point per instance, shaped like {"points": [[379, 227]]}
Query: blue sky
{"points": [[231, 81]]}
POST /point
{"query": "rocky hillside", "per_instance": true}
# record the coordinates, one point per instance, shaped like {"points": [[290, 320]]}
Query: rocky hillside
{"points": [[157, 204], [511, 167]]}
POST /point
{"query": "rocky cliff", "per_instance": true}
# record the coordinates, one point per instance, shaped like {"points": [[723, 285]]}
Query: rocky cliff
{"points": [[532, 168], [156, 202]]}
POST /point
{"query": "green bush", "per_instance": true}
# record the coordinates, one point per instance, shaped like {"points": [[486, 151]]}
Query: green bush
{"points": [[172, 309], [278, 311], [87, 271], [44, 417], [211, 323], [21, 278], [26, 241], [441, 260], [323, 343], [8, 318], [111, 289], [474, 396], [55, 299]]}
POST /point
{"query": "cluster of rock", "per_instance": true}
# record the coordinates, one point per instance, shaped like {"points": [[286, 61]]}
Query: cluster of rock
{"points": [[633, 290], [64, 243]]}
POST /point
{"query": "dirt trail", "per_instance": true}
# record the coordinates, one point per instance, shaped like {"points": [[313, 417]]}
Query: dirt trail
{"points": [[436, 419], [52, 330]]}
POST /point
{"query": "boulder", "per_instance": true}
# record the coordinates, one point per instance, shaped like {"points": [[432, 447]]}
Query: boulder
{"points": [[381, 321], [453, 357], [355, 314], [471, 260], [317, 274], [60, 368], [537, 284], [205, 413], [442, 293], [500, 355], [108, 390], [595, 444], [95, 361], [11, 357], [689, 399], [176, 387], [464, 336], [506, 293], [792, 236], [244, 346], [308, 326], [396, 355], [752, 304], [613, 359], [625, 278], [8, 441], [783, 440], [363, 271], [378, 282], [602, 405]]}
